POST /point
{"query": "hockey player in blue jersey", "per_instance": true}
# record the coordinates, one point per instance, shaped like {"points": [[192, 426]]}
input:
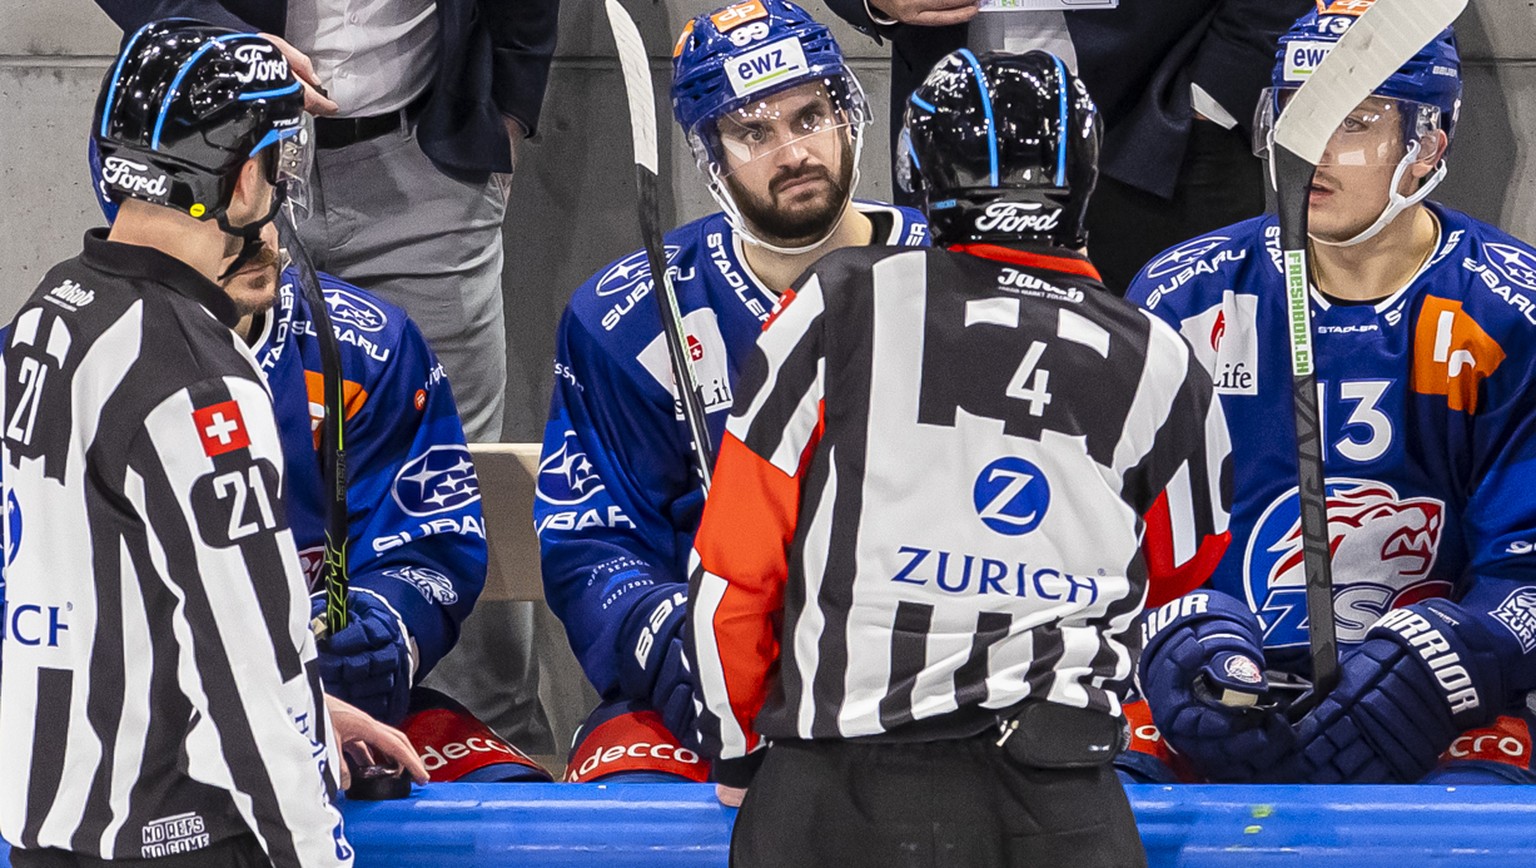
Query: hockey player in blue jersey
{"points": [[776, 120], [1423, 322]]}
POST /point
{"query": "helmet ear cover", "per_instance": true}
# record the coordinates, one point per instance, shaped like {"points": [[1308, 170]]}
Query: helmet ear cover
{"points": [[1003, 147]]}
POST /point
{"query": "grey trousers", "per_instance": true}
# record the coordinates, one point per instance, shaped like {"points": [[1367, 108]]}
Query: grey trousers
{"points": [[383, 217]]}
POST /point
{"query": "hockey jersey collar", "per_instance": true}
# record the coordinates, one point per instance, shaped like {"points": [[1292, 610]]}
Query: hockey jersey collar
{"points": [[1059, 259], [149, 265]]}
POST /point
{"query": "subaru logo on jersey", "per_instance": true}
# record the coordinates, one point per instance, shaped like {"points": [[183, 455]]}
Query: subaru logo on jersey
{"points": [[1011, 496], [1384, 549], [1518, 613], [766, 67], [1184, 255], [350, 309], [567, 477], [13, 529], [432, 584], [1518, 265], [628, 271], [440, 480]]}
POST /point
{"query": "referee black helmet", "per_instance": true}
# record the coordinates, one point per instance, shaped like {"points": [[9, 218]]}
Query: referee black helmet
{"points": [[183, 108], [1003, 147]]}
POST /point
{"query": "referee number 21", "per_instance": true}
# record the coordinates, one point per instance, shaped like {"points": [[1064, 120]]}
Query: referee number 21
{"points": [[235, 484], [31, 374]]}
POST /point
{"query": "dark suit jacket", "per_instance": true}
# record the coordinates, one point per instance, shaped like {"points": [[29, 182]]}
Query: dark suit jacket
{"points": [[493, 60], [1138, 61]]}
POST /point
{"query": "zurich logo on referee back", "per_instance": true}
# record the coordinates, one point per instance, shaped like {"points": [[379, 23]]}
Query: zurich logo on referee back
{"points": [[1011, 496]]}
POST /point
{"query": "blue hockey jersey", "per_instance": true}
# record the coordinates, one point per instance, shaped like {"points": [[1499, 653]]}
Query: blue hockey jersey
{"points": [[618, 501], [416, 533], [1428, 403]]}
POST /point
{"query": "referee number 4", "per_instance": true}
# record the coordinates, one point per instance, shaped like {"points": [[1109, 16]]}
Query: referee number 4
{"points": [[1036, 392]]}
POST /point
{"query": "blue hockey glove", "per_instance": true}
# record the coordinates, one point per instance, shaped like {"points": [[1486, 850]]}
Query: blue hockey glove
{"points": [[1201, 673], [369, 662], [653, 665], [1424, 673]]}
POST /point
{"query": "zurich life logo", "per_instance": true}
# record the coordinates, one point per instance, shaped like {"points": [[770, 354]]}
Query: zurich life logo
{"points": [[1011, 496]]}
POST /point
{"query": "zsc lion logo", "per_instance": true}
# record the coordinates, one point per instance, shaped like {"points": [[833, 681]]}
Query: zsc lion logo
{"points": [[1384, 548], [432, 584]]}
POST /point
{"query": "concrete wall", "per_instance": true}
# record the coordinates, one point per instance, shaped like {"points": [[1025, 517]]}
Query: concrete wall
{"points": [[573, 199]]}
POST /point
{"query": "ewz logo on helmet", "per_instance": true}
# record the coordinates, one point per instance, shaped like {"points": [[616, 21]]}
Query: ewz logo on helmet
{"points": [[766, 66]]}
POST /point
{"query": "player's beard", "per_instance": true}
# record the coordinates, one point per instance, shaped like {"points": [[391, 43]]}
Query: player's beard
{"points": [[253, 288], [801, 225]]}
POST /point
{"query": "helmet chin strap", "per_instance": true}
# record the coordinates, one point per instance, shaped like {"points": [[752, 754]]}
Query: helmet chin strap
{"points": [[1397, 203], [249, 235]]}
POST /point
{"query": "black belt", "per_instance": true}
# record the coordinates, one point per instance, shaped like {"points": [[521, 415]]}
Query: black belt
{"points": [[340, 132]]}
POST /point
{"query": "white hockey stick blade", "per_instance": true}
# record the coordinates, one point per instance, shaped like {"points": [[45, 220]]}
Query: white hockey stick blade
{"points": [[637, 68], [1375, 46]]}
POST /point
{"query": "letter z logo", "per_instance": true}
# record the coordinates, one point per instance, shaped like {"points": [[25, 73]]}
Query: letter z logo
{"points": [[1011, 496]]}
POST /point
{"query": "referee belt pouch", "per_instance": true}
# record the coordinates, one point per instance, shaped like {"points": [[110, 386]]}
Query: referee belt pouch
{"points": [[1049, 735]]}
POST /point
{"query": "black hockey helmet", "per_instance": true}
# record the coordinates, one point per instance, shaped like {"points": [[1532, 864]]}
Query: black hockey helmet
{"points": [[1004, 147], [185, 105]]}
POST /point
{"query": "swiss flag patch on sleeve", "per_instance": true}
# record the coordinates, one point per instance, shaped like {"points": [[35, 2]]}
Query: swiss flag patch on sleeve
{"points": [[221, 428]]}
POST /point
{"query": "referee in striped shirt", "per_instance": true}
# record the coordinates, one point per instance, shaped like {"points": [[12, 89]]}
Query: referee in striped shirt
{"points": [[160, 699], [921, 558]]}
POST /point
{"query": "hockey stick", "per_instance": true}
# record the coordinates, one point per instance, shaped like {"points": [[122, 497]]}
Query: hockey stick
{"points": [[642, 122], [1385, 37], [333, 456]]}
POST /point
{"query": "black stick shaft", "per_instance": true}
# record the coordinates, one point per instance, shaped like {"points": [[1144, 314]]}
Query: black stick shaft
{"points": [[333, 456], [1293, 179]]}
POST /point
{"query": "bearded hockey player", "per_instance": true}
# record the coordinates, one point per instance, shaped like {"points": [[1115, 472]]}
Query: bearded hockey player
{"points": [[919, 570], [1423, 321], [776, 120]]}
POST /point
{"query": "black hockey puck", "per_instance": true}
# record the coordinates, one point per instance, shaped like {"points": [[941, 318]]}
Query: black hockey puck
{"points": [[378, 783]]}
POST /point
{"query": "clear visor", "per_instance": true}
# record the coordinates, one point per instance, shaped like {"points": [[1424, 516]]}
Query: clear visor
{"points": [[1377, 133], [293, 159], [817, 117]]}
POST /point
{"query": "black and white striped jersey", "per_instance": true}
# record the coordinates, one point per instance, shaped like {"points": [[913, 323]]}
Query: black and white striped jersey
{"points": [[929, 504], [159, 691]]}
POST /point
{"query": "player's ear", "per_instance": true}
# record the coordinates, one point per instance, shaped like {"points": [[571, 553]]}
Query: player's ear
{"points": [[1431, 150], [249, 197]]}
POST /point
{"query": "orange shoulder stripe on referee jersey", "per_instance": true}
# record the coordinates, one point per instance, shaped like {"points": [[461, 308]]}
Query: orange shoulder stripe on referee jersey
{"points": [[744, 538]]}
